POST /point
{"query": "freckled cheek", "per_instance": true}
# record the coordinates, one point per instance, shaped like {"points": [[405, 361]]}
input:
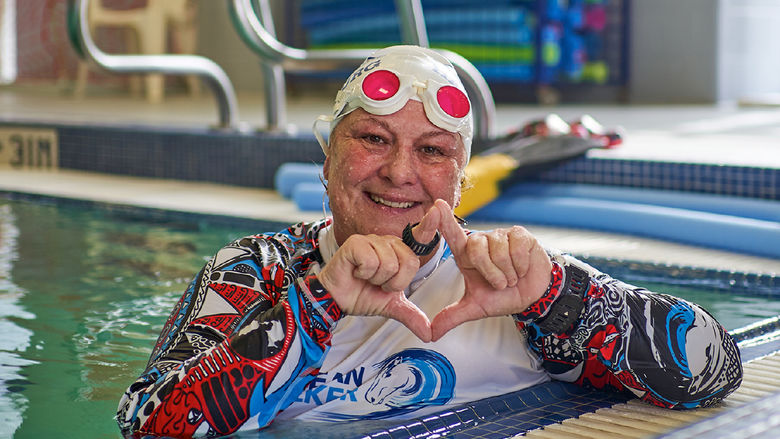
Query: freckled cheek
{"points": [[442, 183], [358, 169], [348, 178]]}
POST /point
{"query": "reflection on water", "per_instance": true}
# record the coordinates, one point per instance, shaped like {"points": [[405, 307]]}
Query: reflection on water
{"points": [[15, 338], [115, 344], [84, 294]]}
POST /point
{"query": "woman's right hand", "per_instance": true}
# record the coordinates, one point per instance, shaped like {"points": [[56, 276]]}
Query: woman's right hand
{"points": [[367, 277]]}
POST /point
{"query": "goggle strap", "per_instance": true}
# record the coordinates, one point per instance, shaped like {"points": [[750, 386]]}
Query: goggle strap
{"points": [[318, 134]]}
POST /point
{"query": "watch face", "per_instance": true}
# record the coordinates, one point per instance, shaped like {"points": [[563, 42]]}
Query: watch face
{"points": [[566, 309]]}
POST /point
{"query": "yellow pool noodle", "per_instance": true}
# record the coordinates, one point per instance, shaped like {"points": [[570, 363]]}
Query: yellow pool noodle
{"points": [[484, 174]]}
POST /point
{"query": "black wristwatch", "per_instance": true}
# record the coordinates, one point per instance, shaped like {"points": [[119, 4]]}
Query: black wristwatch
{"points": [[418, 248], [566, 309]]}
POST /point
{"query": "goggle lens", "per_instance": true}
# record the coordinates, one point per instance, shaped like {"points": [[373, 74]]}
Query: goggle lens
{"points": [[452, 101], [381, 85]]}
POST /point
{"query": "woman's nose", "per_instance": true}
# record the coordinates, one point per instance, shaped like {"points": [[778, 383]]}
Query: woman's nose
{"points": [[399, 167]]}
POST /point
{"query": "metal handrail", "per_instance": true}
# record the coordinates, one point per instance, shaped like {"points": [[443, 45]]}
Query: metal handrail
{"points": [[207, 69], [273, 78], [273, 51], [410, 15]]}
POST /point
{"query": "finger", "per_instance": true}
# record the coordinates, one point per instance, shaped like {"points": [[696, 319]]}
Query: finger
{"points": [[408, 264], [498, 246], [452, 231], [478, 251], [426, 229], [387, 260], [359, 252], [404, 311], [454, 315], [520, 245]]}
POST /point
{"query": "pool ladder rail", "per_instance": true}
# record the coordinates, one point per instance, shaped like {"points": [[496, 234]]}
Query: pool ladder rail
{"points": [[635, 419], [254, 23]]}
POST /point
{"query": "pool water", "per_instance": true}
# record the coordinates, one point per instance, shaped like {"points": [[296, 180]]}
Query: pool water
{"points": [[84, 292]]}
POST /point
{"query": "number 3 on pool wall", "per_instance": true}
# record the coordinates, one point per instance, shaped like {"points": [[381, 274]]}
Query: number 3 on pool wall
{"points": [[28, 148]]}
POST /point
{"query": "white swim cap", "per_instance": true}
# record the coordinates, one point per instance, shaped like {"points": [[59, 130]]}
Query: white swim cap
{"points": [[391, 76]]}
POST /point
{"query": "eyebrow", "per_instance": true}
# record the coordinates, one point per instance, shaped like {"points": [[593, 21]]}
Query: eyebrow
{"points": [[426, 135]]}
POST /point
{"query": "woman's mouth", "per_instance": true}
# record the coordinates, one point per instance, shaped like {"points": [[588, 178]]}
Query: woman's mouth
{"points": [[395, 204]]}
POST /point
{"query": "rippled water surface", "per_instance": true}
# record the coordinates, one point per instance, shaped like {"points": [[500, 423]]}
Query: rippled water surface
{"points": [[84, 293]]}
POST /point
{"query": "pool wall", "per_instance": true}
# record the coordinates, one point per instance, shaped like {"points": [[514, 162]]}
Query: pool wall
{"points": [[208, 155], [252, 158]]}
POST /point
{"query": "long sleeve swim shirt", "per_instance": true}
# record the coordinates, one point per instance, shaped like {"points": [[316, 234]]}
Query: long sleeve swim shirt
{"points": [[256, 338]]}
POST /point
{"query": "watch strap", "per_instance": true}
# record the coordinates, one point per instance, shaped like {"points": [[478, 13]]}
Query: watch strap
{"points": [[566, 309], [418, 248]]}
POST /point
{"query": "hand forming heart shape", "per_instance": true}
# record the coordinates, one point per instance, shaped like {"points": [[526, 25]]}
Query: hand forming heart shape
{"points": [[504, 271]]}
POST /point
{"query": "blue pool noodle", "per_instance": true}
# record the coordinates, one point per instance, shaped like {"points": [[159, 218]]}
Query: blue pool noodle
{"points": [[767, 210], [706, 229], [291, 174], [310, 197]]}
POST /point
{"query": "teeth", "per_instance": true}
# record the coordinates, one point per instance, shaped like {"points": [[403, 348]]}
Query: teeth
{"points": [[379, 200]]}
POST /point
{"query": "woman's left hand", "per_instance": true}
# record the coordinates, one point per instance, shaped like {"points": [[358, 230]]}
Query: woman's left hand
{"points": [[505, 271]]}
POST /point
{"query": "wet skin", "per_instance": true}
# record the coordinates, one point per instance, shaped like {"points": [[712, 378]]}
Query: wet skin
{"points": [[385, 172]]}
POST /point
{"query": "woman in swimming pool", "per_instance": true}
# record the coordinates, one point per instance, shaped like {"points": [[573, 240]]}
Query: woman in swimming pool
{"points": [[391, 309]]}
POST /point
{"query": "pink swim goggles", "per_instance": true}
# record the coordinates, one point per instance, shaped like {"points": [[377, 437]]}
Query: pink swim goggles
{"points": [[386, 81]]}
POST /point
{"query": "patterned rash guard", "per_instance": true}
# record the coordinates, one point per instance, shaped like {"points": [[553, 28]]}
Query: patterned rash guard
{"points": [[250, 341]]}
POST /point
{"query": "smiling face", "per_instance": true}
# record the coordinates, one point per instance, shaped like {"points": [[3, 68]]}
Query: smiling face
{"points": [[384, 172]]}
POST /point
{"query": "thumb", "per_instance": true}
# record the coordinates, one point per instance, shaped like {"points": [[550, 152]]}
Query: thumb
{"points": [[452, 231], [407, 313], [452, 316], [426, 229]]}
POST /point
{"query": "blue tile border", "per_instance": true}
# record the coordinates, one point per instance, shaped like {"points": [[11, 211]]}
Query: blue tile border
{"points": [[760, 350], [741, 181], [210, 155], [507, 415], [752, 284], [757, 329]]}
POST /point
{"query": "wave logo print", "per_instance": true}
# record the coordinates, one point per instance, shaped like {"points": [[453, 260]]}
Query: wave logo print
{"points": [[409, 380]]}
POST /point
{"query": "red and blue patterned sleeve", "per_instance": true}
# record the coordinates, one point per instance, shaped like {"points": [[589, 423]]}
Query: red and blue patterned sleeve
{"points": [[247, 336], [662, 349]]}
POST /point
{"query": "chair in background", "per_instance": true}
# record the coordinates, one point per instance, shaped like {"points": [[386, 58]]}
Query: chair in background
{"points": [[147, 29]]}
